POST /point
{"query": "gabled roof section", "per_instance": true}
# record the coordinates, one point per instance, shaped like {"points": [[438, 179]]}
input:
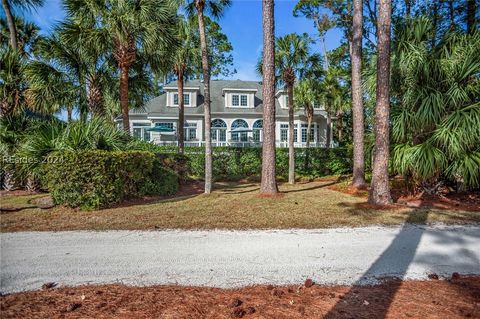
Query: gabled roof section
{"points": [[157, 106]]}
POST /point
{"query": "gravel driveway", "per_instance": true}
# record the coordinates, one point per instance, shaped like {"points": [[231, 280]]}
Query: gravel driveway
{"points": [[236, 258]]}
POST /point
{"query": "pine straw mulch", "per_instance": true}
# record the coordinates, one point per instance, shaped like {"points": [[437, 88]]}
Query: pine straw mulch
{"points": [[458, 297], [449, 201]]}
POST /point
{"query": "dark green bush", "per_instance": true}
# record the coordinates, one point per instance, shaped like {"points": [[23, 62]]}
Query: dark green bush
{"points": [[96, 179], [235, 163], [161, 181]]}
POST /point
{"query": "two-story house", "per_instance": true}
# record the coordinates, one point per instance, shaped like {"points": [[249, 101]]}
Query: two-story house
{"points": [[236, 113]]}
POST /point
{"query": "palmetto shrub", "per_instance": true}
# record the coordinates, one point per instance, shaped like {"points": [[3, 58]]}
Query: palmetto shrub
{"points": [[436, 106], [27, 141]]}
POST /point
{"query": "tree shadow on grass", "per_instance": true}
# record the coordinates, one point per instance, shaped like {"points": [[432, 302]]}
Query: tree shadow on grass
{"points": [[317, 186], [393, 263]]}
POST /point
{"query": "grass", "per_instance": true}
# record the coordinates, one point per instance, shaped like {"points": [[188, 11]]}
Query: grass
{"points": [[230, 206], [17, 202]]}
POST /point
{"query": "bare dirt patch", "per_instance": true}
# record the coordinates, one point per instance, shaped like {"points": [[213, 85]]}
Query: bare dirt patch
{"points": [[454, 298]]}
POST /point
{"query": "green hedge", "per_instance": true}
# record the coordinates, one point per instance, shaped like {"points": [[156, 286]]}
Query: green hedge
{"points": [[234, 163], [96, 179]]}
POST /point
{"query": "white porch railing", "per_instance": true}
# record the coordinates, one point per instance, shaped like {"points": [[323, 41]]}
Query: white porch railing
{"points": [[238, 144]]}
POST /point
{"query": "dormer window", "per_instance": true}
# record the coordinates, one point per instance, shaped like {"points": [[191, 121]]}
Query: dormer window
{"points": [[240, 100], [235, 100], [282, 97], [243, 100], [186, 99], [190, 94]]}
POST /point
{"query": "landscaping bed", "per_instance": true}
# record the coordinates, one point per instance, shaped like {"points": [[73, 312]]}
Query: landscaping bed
{"points": [[458, 297], [448, 201], [232, 205]]}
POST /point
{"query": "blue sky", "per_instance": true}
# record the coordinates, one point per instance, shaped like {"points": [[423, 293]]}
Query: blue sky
{"points": [[242, 23]]}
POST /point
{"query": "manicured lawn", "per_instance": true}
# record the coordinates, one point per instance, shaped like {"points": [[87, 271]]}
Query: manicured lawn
{"points": [[230, 206]]}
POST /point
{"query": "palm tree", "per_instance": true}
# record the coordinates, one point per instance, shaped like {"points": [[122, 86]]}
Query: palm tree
{"points": [[13, 84], [12, 128], [186, 57], [380, 188], [30, 85], [27, 34], [60, 61], [129, 28], [22, 5], [358, 180], [214, 8], [268, 184], [291, 57], [435, 114], [306, 94], [330, 88]]}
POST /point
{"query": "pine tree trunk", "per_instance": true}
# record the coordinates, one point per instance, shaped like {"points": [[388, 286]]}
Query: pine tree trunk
{"points": [[124, 98], [471, 11], [268, 184], [328, 131], [291, 131], [358, 180], [380, 189], [11, 24], [206, 83], [181, 113]]}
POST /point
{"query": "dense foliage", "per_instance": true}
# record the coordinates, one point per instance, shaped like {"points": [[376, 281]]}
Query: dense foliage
{"points": [[236, 163], [436, 107], [95, 178]]}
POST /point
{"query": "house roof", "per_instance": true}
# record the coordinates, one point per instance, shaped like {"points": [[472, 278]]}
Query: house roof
{"points": [[158, 106]]}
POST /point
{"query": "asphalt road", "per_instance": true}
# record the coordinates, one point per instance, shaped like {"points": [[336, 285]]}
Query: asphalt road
{"points": [[236, 258]]}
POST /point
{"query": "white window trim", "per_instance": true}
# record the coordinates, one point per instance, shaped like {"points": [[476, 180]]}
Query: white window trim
{"points": [[190, 126], [229, 100], [174, 88], [172, 99], [284, 104], [239, 90], [132, 126]]}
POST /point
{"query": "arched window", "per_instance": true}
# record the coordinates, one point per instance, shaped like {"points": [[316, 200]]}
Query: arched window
{"points": [[239, 131], [257, 130], [219, 123], [219, 130], [239, 124]]}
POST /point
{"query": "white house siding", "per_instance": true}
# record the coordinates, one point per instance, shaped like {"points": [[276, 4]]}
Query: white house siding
{"points": [[318, 127], [162, 110]]}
